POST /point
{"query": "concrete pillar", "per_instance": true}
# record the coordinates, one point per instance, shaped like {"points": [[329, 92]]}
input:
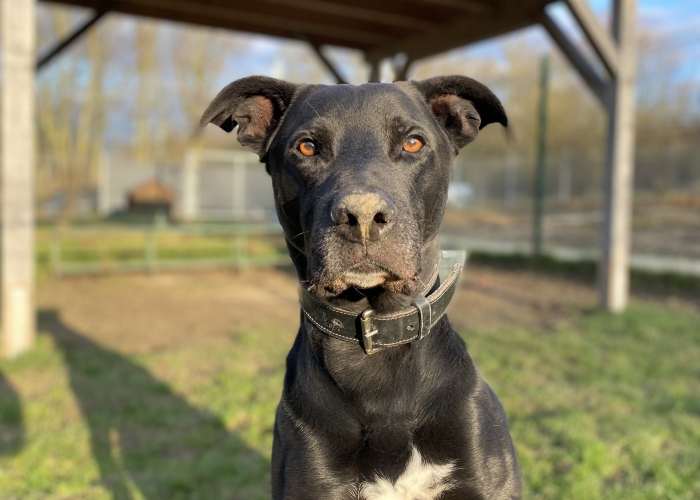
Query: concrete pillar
{"points": [[17, 174], [613, 278], [190, 186]]}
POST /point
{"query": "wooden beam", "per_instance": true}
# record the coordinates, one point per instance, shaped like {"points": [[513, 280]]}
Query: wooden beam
{"points": [[462, 32], [269, 20], [17, 174], [601, 41], [59, 47], [226, 15], [613, 268], [463, 5], [354, 12], [598, 86], [326, 62]]}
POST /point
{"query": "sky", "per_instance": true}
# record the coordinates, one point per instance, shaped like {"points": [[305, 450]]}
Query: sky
{"points": [[661, 13]]}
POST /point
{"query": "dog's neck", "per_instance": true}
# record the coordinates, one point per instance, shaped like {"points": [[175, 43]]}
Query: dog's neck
{"points": [[347, 364]]}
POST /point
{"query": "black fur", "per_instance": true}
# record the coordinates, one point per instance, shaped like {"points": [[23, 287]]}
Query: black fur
{"points": [[345, 416]]}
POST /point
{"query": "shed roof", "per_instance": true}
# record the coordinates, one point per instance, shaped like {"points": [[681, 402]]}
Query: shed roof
{"points": [[152, 191], [380, 28]]}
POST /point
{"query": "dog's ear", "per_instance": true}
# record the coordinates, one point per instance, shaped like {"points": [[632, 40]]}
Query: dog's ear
{"points": [[256, 104], [462, 106]]}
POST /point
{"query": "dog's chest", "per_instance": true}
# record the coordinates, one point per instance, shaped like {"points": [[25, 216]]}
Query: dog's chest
{"points": [[420, 480]]}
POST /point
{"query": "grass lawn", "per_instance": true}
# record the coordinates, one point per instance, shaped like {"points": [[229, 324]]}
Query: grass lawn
{"points": [[605, 407], [600, 406]]}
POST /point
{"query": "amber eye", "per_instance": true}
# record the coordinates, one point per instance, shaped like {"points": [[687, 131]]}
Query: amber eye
{"points": [[412, 144], [307, 147]]}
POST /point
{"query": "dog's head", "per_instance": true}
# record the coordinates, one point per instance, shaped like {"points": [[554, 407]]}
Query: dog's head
{"points": [[360, 173]]}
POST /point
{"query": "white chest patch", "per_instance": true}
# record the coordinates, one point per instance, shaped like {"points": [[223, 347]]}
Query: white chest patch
{"points": [[419, 481]]}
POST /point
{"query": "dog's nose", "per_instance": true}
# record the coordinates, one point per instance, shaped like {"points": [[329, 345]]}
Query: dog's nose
{"points": [[364, 216]]}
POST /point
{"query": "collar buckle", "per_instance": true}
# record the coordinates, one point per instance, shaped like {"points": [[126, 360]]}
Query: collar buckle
{"points": [[368, 331]]}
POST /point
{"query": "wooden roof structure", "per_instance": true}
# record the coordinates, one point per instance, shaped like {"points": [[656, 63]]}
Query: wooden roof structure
{"points": [[379, 28]]}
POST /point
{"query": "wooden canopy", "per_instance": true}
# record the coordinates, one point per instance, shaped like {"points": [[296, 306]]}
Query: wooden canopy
{"points": [[380, 28]]}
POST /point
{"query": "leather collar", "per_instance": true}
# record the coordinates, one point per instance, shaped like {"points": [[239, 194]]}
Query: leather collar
{"points": [[379, 331]]}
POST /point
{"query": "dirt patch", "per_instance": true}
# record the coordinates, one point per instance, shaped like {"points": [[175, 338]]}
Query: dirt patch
{"points": [[165, 311], [142, 313], [490, 298]]}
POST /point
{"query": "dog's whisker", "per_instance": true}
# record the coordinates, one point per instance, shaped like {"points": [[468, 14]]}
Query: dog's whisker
{"points": [[307, 102], [303, 232]]}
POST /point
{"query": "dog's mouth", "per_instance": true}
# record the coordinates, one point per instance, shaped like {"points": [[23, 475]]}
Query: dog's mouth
{"points": [[363, 276], [367, 275]]}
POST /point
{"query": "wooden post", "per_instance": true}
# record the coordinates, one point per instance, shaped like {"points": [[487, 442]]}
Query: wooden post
{"points": [[401, 66], [18, 143], [565, 161], [190, 186], [613, 269], [541, 160], [238, 200], [104, 187], [510, 188], [374, 70], [151, 250], [55, 252]]}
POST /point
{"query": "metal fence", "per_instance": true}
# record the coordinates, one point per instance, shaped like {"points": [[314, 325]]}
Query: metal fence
{"points": [[498, 178], [107, 249]]}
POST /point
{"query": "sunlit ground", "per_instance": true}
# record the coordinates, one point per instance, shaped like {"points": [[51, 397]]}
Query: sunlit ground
{"points": [[165, 386]]}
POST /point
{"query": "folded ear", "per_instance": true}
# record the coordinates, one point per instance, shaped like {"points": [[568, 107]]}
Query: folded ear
{"points": [[256, 104], [462, 106]]}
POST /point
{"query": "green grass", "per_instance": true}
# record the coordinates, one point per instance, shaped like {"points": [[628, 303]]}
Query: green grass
{"points": [[80, 421], [112, 246], [600, 407], [605, 407], [645, 282]]}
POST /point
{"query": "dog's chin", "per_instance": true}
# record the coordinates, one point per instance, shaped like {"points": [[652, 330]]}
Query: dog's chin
{"points": [[366, 280], [383, 290]]}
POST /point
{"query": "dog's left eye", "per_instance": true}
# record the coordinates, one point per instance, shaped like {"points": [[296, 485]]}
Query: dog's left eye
{"points": [[413, 144], [307, 147]]}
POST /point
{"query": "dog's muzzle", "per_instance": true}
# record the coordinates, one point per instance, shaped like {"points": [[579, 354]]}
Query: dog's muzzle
{"points": [[376, 332]]}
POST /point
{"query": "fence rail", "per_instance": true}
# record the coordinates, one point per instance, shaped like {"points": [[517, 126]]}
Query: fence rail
{"points": [[104, 249]]}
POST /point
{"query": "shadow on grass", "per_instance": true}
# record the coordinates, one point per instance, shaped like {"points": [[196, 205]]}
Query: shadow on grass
{"points": [[11, 421], [147, 439]]}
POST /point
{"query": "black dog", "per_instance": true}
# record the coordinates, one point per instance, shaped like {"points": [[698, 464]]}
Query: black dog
{"points": [[381, 399]]}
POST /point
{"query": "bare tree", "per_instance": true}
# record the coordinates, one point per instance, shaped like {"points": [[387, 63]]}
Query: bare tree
{"points": [[71, 120]]}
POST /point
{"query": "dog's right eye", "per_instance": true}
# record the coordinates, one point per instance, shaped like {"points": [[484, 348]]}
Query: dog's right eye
{"points": [[412, 145], [307, 147]]}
